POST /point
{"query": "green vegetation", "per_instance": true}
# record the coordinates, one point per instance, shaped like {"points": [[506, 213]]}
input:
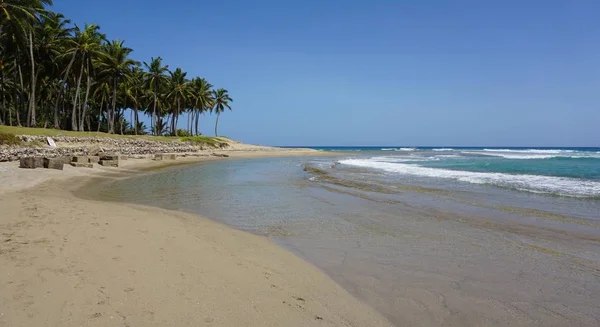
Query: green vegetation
{"points": [[9, 139], [205, 140], [55, 74]]}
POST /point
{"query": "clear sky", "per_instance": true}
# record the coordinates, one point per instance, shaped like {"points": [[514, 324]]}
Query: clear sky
{"points": [[358, 72]]}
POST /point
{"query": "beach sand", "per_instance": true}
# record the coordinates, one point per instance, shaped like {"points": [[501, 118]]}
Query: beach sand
{"points": [[67, 261]]}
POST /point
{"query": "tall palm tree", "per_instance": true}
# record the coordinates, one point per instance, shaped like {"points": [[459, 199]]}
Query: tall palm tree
{"points": [[134, 91], [117, 66], [203, 99], [86, 48], [220, 102], [155, 77], [179, 93], [19, 17]]}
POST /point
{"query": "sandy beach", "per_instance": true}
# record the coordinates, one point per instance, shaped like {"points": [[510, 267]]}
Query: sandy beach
{"points": [[67, 261]]}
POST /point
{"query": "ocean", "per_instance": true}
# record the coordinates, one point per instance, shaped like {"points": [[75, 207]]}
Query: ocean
{"points": [[429, 236]]}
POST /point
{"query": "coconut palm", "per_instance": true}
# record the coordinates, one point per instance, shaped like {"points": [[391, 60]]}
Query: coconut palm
{"points": [[179, 93], [18, 17], [115, 64], [155, 77], [202, 98], [221, 101]]}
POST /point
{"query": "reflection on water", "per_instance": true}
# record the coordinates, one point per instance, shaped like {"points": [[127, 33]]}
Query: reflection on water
{"points": [[432, 253]]}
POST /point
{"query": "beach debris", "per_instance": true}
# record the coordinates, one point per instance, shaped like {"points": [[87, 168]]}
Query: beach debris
{"points": [[54, 163], [109, 163], [51, 142], [82, 164], [220, 155], [28, 163]]}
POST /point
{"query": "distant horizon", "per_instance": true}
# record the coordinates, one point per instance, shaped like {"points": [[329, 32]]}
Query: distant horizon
{"points": [[438, 146]]}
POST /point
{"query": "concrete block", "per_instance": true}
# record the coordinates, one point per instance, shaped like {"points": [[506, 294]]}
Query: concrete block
{"points": [[39, 162], [28, 163], [81, 159], [94, 159], [109, 163], [54, 163], [95, 150], [110, 157], [158, 157], [82, 164]]}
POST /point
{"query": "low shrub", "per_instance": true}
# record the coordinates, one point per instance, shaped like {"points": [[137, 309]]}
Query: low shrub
{"points": [[9, 139]]}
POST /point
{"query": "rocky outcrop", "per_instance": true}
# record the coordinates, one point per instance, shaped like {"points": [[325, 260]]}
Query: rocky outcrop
{"points": [[93, 146]]}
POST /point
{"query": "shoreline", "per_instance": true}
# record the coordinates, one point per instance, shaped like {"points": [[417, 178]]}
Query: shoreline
{"points": [[70, 261]]}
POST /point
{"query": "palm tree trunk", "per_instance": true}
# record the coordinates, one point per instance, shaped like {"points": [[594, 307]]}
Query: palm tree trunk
{"points": [[31, 113], [17, 110], [74, 115], [197, 118], [217, 125], [111, 114], [136, 119], [87, 93], [61, 90], [100, 113], [154, 116]]}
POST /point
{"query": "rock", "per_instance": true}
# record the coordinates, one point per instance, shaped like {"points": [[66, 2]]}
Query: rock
{"points": [[220, 155], [95, 150], [54, 163], [80, 159], [82, 164], [28, 163], [109, 163]]}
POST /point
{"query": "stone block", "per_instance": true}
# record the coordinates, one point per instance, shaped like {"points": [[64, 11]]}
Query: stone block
{"points": [[28, 163], [94, 159], [109, 157], [65, 159], [109, 163], [95, 150], [54, 163], [158, 157], [81, 159], [171, 156], [82, 164], [39, 162]]}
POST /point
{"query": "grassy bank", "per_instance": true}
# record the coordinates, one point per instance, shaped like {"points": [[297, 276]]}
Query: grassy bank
{"points": [[196, 140]]}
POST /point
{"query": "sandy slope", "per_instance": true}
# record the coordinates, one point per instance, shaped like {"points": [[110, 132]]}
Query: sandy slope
{"points": [[66, 261]]}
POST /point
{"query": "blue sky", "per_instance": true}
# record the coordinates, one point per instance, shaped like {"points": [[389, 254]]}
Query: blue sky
{"points": [[521, 73]]}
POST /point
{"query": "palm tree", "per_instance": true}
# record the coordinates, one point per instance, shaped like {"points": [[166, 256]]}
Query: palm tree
{"points": [[18, 18], [117, 66], [203, 99], [154, 78], [85, 47], [220, 102], [179, 92], [134, 91]]}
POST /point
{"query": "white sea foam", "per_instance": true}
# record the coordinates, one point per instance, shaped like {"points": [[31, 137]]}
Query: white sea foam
{"points": [[399, 149], [530, 151], [532, 183], [443, 149]]}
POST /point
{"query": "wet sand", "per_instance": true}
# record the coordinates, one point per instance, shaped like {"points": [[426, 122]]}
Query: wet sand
{"points": [[68, 261]]}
